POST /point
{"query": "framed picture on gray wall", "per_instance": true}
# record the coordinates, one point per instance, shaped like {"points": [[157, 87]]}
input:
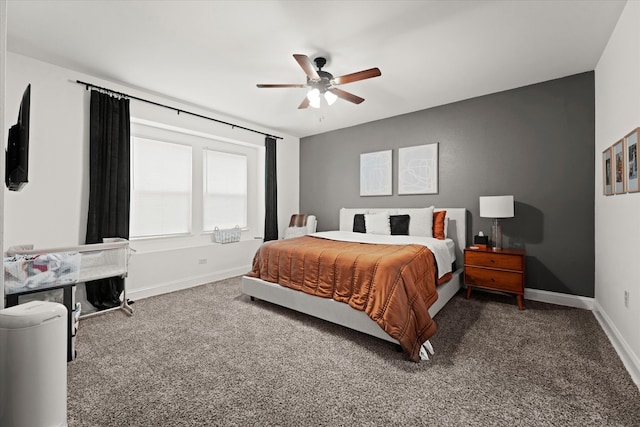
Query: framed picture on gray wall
{"points": [[631, 149], [418, 169], [375, 174], [607, 173], [618, 168]]}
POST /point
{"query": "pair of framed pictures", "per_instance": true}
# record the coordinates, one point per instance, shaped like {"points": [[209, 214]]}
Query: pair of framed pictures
{"points": [[417, 171], [620, 165]]}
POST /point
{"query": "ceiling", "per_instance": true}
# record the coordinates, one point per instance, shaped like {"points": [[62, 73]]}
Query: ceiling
{"points": [[211, 54]]}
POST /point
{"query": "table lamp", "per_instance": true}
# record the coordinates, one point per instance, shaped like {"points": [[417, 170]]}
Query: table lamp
{"points": [[496, 207]]}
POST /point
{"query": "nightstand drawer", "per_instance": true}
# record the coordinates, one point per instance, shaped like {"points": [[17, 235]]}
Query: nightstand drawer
{"points": [[492, 279], [497, 260]]}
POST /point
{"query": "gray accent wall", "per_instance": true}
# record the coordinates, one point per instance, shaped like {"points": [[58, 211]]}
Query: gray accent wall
{"points": [[535, 142]]}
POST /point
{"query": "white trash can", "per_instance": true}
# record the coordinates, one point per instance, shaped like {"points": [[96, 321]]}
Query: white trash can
{"points": [[33, 365]]}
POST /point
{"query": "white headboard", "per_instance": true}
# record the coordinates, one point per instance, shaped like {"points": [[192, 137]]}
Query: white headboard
{"points": [[457, 230]]}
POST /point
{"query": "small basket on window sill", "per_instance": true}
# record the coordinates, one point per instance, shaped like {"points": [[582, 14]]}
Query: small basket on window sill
{"points": [[228, 235]]}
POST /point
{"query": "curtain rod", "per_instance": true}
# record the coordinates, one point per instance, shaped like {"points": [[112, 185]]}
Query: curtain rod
{"points": [[88, 85]]}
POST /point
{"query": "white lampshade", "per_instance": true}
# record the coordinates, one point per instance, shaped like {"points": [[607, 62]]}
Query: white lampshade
{"points": [[330, 97], [314, 98], [496, 206]]}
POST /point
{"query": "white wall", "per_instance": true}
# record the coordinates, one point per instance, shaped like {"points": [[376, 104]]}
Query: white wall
{"points": [[51, 210], [617, 225]]}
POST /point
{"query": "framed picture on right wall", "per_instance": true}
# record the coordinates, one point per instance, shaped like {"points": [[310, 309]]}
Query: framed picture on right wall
{"points": [[607, 173], [631, 148], [619, 177]]}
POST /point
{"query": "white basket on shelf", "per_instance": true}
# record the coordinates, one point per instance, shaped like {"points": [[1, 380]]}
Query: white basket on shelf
{"points": [[229, 235]]}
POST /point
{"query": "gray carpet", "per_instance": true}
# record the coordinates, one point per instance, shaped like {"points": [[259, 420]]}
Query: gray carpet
{"points": [[210, 356]]}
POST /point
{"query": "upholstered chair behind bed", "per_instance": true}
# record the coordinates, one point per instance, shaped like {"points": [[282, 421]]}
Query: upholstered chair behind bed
{"points": [[300, 224]]}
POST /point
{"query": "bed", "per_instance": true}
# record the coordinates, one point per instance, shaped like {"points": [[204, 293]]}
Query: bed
{"points": [[260, 283]]}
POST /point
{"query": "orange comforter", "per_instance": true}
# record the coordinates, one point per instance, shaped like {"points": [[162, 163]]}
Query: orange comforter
{"points": [[394, 284]]}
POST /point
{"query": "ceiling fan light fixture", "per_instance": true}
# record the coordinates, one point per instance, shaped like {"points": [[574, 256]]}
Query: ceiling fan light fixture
{"points": [[314, 98], [322, 82], [330, 97]]}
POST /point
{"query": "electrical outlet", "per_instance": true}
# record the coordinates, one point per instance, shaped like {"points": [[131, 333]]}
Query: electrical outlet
{"points": [[202, 261], [626, 299]]}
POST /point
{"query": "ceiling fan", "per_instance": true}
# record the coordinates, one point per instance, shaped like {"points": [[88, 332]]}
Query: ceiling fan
{"points": [[323, 83]]}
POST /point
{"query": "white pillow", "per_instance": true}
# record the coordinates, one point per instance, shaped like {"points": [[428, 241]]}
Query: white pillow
{"points": [[421, 222], [377, 223], [346, 217]]}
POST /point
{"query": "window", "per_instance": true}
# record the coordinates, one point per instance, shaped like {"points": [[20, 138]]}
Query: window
{"points": [[225, 190], [185, 182], [160, 188]]}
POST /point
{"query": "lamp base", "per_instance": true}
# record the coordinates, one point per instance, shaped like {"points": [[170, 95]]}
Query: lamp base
{"points": [[496, 234]]}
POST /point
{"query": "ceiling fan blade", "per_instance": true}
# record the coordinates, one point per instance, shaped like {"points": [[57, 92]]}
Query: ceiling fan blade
{"points": [[304, 103], [360, 75], [279, 85], [346, 95], [307, 66]]}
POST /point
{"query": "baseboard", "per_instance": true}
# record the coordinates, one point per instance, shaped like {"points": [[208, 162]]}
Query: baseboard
{"points": [[558, 298], [628, 357], [163, 288]]}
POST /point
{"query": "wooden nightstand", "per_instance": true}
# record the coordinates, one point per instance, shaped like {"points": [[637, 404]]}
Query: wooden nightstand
{"points": [[499, 270]]}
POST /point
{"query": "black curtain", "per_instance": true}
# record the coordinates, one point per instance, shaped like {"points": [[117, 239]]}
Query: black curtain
{"points": [[109, 139], [271, 191]]}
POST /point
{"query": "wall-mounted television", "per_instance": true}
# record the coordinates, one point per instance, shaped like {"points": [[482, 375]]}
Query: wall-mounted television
{"points": [[17, 155]]}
